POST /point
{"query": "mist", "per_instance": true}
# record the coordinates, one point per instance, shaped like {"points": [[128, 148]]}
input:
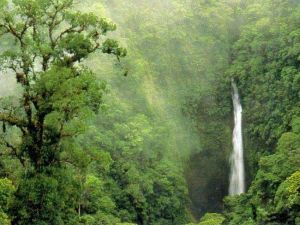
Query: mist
{"points": [[7, 85], [173, 63], [171, 71], [173, 112]]}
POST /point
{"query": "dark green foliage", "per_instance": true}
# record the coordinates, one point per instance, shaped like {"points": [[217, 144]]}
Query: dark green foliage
{"points": [[43, 198], [6, 193], [77, 150], [144, 187], [262, 56], [266, 65], [272, 197]]}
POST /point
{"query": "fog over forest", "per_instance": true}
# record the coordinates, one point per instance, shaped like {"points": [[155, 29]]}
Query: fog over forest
{"points": [[149, 112]]}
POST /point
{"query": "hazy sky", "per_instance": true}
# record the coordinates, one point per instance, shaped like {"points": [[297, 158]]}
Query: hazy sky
{"points": [[7, 84]]}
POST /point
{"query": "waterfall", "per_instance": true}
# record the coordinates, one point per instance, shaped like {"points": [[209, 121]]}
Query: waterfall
{"points": [[237, 175]]}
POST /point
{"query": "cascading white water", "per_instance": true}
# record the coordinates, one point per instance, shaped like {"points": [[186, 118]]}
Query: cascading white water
{"points": [[237, 175]]}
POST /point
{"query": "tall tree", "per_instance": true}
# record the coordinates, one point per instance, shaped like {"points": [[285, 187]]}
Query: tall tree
{"points": [[51, 39]]}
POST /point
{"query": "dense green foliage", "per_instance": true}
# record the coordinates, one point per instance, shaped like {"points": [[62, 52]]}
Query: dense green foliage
{"points": [[210, 219], [91, 140], [73, 167], [266, 65], [57, 97]]}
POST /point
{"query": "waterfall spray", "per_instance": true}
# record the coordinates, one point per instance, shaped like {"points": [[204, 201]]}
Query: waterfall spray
{"points": [[237, 175]]}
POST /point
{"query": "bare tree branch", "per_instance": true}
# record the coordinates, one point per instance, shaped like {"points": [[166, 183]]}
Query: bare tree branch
{"points": [[13, 121]]}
